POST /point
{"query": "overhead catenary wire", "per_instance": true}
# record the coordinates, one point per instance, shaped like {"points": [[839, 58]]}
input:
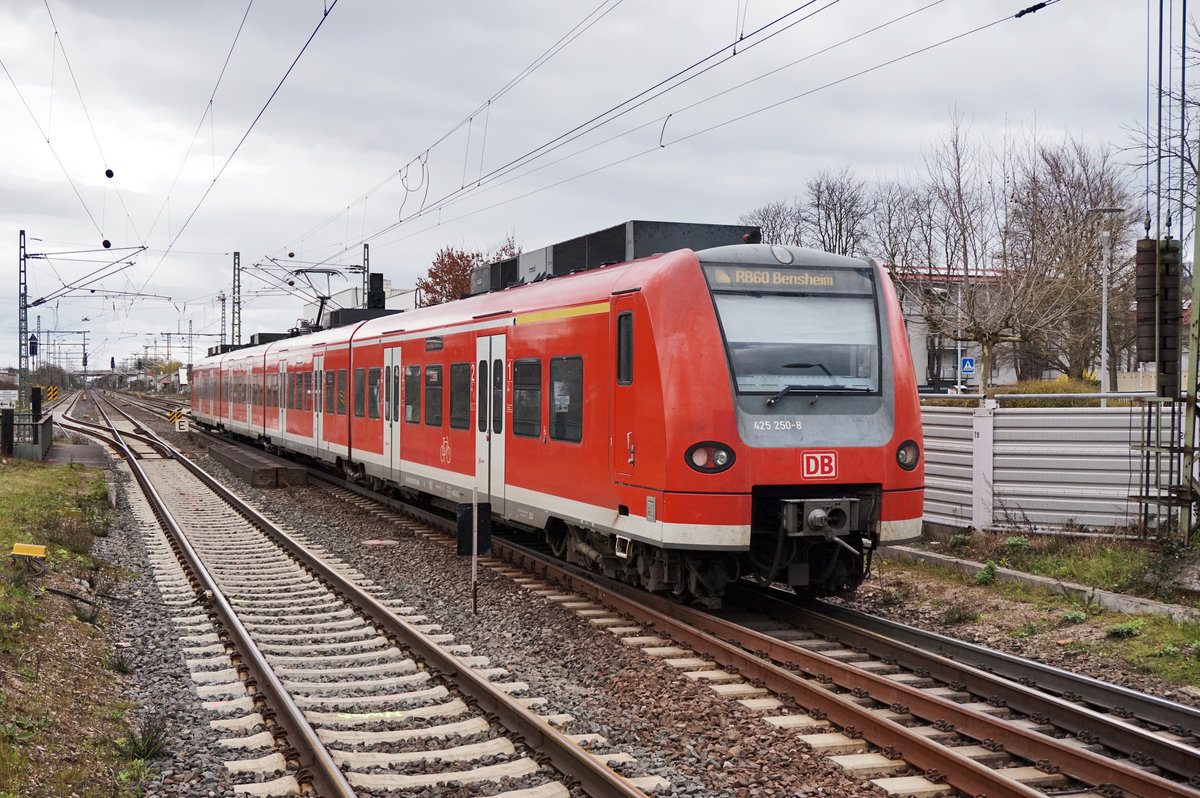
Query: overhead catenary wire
{"points": [[46, 137], [688, 73], [324, 16], [681, 76], [657, 146], [207, 114], [86, 114], [867, 71], [698, 103], [581, 27]]}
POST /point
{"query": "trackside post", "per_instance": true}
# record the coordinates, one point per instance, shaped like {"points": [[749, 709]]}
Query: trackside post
{"points": [[474, 536]]}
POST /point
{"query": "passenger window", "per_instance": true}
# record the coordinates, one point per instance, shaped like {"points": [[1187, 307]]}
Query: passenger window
{"points": [[481, 390], [342, 385], [497, 396], [308, 390], [433, 396], [360, 393], [387, 392], [625, 348], [460, 395], [373, 393], [291, 390], [566, 398], [527, 398], [396, 394], [330, 392], [412, 394]]}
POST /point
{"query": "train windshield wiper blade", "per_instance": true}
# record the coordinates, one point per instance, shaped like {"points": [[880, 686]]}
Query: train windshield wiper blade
{"points": [[796, 388], [771, 400]]}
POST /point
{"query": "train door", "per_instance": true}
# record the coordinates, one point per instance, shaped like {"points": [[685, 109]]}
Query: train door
{"points": [[624, 393], [318, 401], [490, 400], [391, 408]]}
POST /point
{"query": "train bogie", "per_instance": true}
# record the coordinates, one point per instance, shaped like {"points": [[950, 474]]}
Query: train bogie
{"points": [[678, 422]]}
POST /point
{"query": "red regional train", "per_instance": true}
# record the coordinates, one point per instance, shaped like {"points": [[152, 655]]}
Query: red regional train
{"points": [[677, 421]]}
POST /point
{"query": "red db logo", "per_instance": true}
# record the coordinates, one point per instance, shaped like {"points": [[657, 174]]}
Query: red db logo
{"points": [[819, 465]]}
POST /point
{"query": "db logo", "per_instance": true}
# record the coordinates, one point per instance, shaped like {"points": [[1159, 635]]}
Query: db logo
{"points": [[818, 465]]}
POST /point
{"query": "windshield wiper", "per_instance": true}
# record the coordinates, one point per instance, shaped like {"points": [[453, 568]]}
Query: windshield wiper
{"points": [[815, 389], [796, 388], [771, 400]]}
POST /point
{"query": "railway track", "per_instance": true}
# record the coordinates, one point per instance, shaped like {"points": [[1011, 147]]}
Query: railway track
{"points": [[913, 712], [916, 713], [322, 680]]}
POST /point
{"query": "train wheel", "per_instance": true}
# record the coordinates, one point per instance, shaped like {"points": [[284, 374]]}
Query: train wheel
{"points": [[557, 538]]}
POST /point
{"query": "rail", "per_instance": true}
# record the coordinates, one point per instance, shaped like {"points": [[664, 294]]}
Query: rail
{"points": [[569, 757], [315, 761]]}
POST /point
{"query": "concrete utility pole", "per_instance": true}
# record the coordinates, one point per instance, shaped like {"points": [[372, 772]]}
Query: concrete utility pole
{"points": [[221, 297]]}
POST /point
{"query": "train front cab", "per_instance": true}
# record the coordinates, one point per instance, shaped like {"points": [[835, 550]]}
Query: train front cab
{"points": [[826, 409]]}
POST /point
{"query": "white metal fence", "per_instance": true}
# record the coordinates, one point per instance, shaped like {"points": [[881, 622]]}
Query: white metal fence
{"points": [[1049, 468]]}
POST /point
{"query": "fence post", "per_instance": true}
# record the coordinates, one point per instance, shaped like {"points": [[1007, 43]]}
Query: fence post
{"points": [[7, 428], [982, 462]]}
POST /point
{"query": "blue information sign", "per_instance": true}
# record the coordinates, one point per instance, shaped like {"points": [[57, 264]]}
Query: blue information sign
{"points": [[968, 365]]}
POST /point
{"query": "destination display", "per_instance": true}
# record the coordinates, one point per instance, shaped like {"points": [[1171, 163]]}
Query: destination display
{"points": [[734, 277]]}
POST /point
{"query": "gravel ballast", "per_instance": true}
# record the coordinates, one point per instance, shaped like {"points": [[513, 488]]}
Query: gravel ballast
{"points": [[675, 728]]}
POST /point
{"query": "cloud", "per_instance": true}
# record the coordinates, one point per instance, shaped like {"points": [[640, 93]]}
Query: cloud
{"points": [[384, 85]]}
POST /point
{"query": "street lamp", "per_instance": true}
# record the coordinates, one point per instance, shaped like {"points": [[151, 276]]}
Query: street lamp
{"points": [[1106, 244]]}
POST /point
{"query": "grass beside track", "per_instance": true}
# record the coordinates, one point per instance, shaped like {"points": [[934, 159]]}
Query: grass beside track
{"points": [[64, 728], [1045, 625], [1119, 566]]}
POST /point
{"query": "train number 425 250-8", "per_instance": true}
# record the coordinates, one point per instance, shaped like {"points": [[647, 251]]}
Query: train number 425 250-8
{"points": [[777, 425]]}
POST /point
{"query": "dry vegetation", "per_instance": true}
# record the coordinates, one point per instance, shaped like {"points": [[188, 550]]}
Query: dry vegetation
{"points": [[63, 729]]}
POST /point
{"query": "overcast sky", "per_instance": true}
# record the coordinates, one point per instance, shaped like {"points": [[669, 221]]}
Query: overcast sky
{"points": [[383, 130]]}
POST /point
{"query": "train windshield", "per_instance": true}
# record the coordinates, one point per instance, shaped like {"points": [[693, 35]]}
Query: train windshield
{"points": [[798, 330]]}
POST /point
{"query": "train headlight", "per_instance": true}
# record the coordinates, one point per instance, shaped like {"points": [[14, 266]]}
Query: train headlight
{"points": [[709, 457], [908, 455]]}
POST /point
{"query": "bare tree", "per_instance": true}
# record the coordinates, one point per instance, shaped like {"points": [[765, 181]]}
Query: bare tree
{"points": [[837, 212], [1065, 195], [894, 229], [971, 286], [995, 246], [781, 222]]}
